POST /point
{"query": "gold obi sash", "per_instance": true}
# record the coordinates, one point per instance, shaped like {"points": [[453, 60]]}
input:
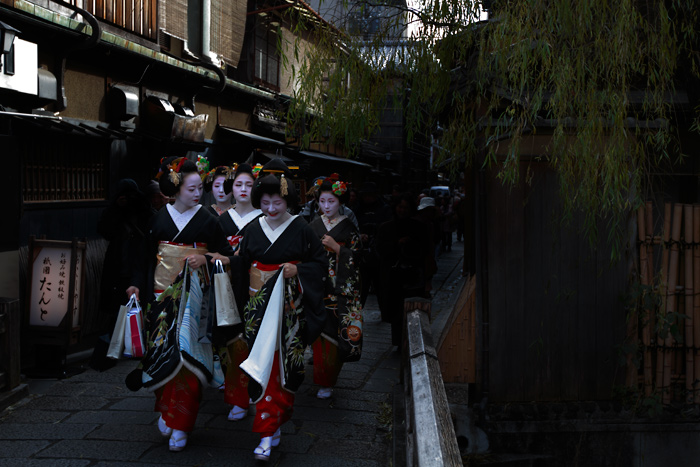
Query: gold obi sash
{"points": [[260, 273], [171, 260]]}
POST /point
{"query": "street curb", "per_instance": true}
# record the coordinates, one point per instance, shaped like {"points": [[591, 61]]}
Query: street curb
{"points": [[7, 398]]}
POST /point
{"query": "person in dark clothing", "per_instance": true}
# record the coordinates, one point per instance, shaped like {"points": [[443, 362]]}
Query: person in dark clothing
{"points": [[460, 208], [123, 223], [448, 224], [426, 214], [403, 245], [372, 212], [156, 198]]}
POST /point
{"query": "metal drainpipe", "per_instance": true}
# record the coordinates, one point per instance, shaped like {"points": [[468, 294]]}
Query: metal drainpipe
{"points": [[206, 31], [88, 43]]}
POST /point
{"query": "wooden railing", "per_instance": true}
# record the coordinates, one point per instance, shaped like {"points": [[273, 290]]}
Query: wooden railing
{"points": [[430, 434]]}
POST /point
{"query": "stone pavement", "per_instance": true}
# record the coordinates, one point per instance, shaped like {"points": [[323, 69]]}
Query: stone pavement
{"points": [[92, 419]]}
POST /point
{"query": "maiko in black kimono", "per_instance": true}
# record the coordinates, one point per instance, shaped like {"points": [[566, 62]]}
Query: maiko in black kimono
{"points": [[167, 247], [303, 315], [342, 300]]}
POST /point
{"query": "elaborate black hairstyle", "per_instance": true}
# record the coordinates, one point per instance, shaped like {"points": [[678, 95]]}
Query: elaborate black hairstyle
{"points": [[244, 169], [274, 179], [334, 186], [221, 171], [172, 171]]}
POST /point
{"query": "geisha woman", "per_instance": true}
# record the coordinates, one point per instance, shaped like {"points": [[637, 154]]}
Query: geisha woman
{"points": [[234, 223], [180, 234], [285, 311], [341, 339], [219, 182]]}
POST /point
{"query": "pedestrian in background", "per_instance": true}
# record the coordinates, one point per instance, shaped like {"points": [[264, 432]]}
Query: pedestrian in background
{"points": [[425, 213], [123, 223], [402, 248], [372, 212], [448, 223]]}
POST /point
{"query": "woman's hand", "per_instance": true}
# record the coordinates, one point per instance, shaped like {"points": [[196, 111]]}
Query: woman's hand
{"points": [[196, 261], [131, 291], [289, 270], [330, 243], [224, 259]]}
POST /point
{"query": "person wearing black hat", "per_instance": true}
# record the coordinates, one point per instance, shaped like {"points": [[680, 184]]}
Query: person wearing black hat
{"points": [[285, 313]]}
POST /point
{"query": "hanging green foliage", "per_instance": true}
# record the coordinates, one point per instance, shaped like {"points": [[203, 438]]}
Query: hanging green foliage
{"points": [[599, 77]]}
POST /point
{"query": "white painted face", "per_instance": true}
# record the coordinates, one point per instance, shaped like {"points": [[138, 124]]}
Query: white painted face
{"points": [[190, 190], [329, 204], [242, 187], [273, 206], [217, 189]]}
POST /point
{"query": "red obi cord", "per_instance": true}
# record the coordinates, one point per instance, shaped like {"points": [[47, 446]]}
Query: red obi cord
{"points": [[270, 267]]}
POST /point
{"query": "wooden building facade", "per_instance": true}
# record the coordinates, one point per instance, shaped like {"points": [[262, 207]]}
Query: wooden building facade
{"points": [[101, 91]]}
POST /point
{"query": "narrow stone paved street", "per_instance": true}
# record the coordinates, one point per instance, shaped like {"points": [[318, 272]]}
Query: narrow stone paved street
{"points": [[93, 419]]}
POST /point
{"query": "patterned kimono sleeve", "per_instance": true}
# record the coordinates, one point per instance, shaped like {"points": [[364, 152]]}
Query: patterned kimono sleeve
{"points": [[347, 274]]}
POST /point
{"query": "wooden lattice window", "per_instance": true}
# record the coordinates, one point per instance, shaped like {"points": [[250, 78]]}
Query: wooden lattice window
{"points": [[64, 169]]}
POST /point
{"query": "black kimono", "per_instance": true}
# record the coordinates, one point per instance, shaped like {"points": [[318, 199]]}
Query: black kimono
{"points": [[303, 315], [342, 300], [200, 234], [202, 228]]}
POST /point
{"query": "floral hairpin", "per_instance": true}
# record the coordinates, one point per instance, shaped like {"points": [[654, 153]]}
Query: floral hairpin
{"points": [[202, 165], [257, 169], [339, 188]]}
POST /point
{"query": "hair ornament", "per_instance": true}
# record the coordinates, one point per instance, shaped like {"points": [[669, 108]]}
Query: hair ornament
{"points": [[256, 170], [178, 163], [339, 188], [174, 177], [202, 165], [284, 186]]}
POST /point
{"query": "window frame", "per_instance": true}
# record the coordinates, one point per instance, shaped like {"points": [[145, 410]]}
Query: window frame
{"points": [[271, 53]]}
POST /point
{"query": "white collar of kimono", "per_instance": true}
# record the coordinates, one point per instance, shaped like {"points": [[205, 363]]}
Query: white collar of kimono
{"points": [[244, 220], [330, 224], [273, 235], [182, 219]]}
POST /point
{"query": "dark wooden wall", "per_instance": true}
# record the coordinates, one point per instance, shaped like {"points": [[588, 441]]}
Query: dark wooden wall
{"points": [[556, 318]]}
